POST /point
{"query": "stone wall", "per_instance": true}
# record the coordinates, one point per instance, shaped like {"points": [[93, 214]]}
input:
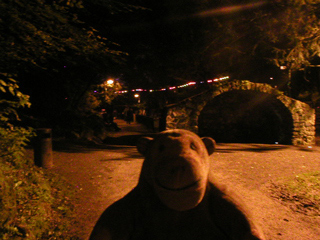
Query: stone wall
{"points": [[303, 119], [185, 115]]}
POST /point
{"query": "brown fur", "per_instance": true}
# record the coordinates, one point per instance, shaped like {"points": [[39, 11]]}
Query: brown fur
{"points": [[176, 198]]}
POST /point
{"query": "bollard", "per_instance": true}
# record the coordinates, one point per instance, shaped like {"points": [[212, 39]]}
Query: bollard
{"points": [[43, 148]]}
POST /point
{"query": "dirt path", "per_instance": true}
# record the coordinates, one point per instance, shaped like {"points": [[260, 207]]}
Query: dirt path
{"points": [[250, 168], [105, 173]]}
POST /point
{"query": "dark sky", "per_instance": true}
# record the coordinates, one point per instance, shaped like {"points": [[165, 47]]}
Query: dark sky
{"points": [[172, 42]]}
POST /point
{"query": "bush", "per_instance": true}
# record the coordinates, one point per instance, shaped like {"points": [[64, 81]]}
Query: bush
{"points": [[82, 126], [33, 204]]}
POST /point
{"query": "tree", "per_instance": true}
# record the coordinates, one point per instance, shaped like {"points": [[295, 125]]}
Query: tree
{"points": [[41, 33], [55, 55], [254, 39], [164, 44], [291, 30], [189, 40], [288, 36]]}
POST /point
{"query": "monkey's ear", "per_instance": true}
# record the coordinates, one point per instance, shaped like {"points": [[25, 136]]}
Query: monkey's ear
{"points": [[143, 145], [210, 144]]}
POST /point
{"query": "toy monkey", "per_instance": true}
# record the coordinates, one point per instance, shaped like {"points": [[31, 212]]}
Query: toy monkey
{"points": [[176, 197]]}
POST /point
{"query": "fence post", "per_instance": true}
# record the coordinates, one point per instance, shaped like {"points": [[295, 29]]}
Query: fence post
{"points": [[43, 148]]}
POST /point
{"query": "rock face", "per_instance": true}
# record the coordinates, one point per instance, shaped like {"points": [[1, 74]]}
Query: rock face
{"points": [[176, 197], [294, 120]]}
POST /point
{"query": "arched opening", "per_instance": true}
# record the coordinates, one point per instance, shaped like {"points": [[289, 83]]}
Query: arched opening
{"points": [[246, 117]]}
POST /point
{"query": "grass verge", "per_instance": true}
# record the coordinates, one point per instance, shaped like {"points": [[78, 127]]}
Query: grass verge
{"points": [[301, 192], [34, 204]]}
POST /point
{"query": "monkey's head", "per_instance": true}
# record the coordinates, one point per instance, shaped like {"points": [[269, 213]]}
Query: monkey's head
{"points": [[176, 166]]}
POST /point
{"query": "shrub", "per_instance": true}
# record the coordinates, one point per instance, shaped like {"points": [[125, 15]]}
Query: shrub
{"points": [[32, 203]]}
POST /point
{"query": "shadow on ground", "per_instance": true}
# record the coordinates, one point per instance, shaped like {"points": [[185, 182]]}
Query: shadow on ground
{"points": [[235, 147], [129, 140], [110, 143], [260, 148]]}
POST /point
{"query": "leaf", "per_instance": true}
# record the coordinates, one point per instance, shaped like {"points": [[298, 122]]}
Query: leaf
{"points": [[61, 208], [17, 184], [12, 80], [11, 90], [3, 83]]}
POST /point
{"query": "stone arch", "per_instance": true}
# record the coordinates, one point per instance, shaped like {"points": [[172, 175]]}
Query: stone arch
{"points": [[186, 114], [246, 116]]}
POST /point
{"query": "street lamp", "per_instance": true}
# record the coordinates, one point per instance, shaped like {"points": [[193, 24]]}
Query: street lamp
{"points": [[110, 82], [137, 96]]}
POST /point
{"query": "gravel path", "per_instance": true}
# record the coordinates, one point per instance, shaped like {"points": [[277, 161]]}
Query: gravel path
{"points": [[104, 173]]}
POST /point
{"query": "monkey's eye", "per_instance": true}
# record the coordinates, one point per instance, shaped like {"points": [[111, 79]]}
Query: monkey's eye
{"points": [[193, 146], [161, 147]]}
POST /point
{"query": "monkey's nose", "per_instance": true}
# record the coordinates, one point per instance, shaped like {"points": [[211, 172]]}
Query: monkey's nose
{"points": [[175, 176]]}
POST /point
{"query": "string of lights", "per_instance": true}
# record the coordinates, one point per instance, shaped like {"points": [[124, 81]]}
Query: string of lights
{"points": [[173, 87]]}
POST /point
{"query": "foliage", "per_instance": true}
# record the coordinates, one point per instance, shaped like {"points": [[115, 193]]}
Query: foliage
{"points": [[291, 29], [89, 102], [12, 138], [107, 91], [31, 206], [83, 126], [86, 123], [13, 141], [43, 33], [196, 40], [54, 51], [9, 86], [286, 33]]}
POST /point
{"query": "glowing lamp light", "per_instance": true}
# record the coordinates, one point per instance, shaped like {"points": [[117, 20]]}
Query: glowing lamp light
{"points": [[283, 67], [110, 82], [191, 83], [123, 91], [173, 87], [137, 96]]}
